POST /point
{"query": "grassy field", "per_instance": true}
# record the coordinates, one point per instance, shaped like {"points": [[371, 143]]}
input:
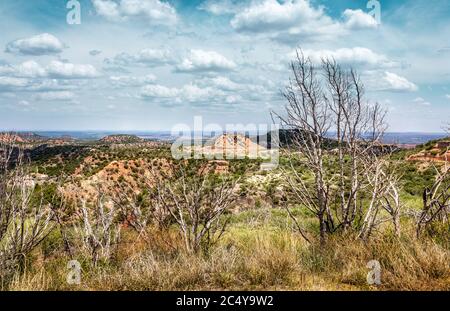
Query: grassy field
{"points": [[260, 251]]}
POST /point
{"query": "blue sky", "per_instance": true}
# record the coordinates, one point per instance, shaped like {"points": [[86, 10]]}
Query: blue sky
{"points": [[150, 64]]}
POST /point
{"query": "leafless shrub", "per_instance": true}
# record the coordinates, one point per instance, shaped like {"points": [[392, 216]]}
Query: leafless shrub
{"points": [[138, 208], [436, 200], [100, 231], [24, 219], [383, 185], [196, 202]]}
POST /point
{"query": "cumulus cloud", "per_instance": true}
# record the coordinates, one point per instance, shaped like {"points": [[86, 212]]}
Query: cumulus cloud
{"points": [[219, 92], [145, 57], [189, 93], [30, 76], [357, 56], [43, 44], [398, 83], [55, 69], [153, 11], [388, 81], [159, 91], [357, 19], [223, 83], [47, 85], [12, 84], [292, 20], [203, 61], [287, 21], [55, 96], [132, 81], [63, 70]]}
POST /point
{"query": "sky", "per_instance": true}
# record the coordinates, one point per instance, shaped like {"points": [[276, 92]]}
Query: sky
{"points": [[151, 64]]}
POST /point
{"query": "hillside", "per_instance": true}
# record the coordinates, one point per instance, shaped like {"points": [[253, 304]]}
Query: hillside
{"points": [[287, 138], [121, 139], [434, 151], [21, 137]]}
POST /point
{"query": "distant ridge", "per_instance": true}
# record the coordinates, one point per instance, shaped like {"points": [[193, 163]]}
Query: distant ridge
{"points": [[20, 137], [121, 139]]}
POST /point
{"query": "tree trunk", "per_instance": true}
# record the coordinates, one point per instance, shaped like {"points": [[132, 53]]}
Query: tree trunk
{"points": [[396, 220], [323, 228]]}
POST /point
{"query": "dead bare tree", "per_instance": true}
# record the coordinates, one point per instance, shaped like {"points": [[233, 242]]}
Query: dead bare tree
{"points": [[436, 200], [391, 202], [100, 231], [24, 219], [196, 202], [383, 181], [322, 99], [308, 112]]}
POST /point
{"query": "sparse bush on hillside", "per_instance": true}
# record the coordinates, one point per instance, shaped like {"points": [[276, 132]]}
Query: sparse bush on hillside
{"points": [[24, 221], [436, 202], [99, 230], [196, 202]]}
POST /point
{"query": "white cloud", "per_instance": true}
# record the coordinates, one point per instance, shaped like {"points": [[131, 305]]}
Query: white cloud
{"points": [[220, 92], [8, 82], [55, 69], [421, 101], [43, 44], [359, 56], [447, 96], [191, 93], [201, 61], [225, 83], [154, 56], [145, 57], [55, 96], [46, 85], [286, 21], [392, 82], [59, 69], [159, 91], [124, 81], [232, 99], [357, 19], [153, 11], [27, 69], [399, 83], [272, 15], [107, 8]]}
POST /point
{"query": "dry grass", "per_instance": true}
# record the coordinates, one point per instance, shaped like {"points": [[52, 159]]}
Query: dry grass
{"points": [[251, 259]]}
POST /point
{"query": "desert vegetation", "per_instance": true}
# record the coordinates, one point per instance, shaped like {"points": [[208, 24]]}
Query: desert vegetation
{"points": [[136, 219]]}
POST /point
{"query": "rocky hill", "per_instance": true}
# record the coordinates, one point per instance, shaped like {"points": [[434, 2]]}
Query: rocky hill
{"points": [[20, 137], [121, 139], [434, 151], [230, 146]]}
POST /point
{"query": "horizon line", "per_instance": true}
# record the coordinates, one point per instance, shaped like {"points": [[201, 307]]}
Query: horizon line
{"points": [[159, 130]]}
